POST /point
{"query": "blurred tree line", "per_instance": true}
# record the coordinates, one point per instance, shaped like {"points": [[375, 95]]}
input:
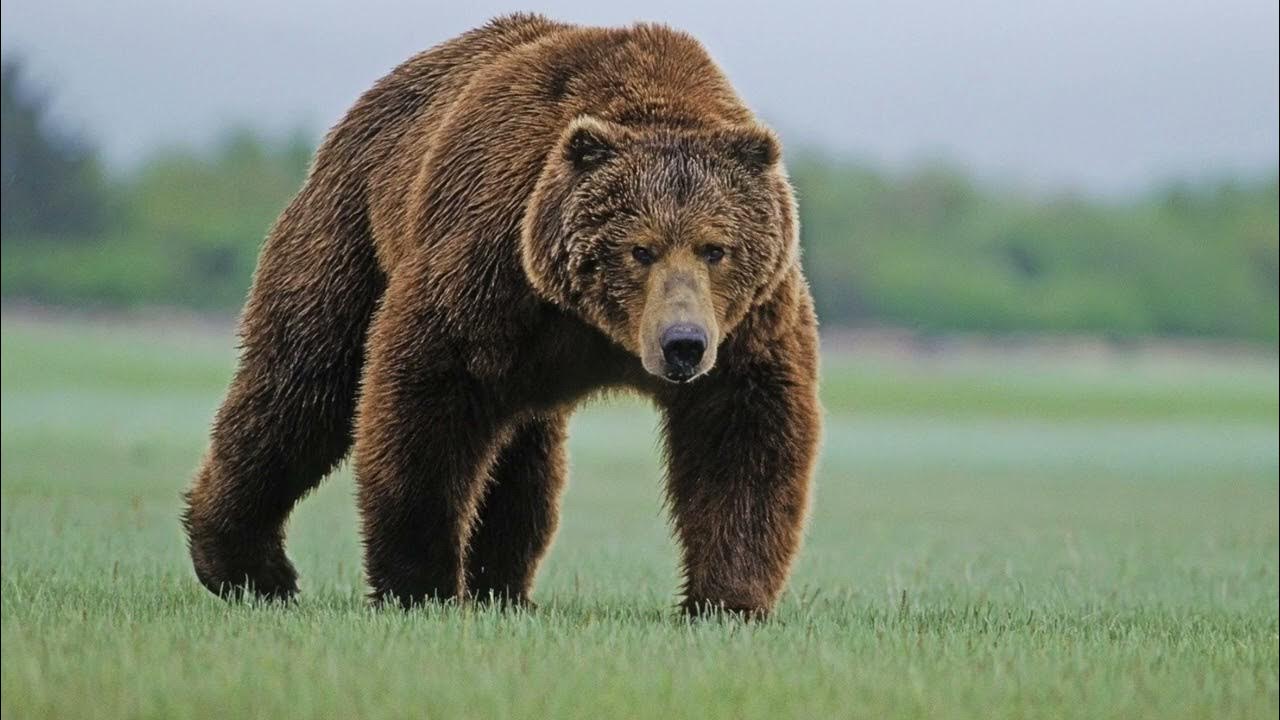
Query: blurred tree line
{"points": [[929, 249]]}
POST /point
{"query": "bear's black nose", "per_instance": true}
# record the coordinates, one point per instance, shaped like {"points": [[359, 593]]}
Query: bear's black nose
{"points": [[682, 348]]}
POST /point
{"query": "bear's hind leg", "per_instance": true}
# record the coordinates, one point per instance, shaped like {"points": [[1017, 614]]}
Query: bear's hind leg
{"points": [[519, 513], [427, 434], [287, 417]]}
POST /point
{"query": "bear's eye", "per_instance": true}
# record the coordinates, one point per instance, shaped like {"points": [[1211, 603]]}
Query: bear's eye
{"points": [[642, 255], [713, 254]]}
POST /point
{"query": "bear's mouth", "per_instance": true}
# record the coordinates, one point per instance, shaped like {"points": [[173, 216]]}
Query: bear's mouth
{"points": [[680, 375], [676, 372]]}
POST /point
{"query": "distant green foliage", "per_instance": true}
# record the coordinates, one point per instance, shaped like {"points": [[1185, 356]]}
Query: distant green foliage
{"points": [[927, 249], [187, 234], [932, 250], [52, 184]]}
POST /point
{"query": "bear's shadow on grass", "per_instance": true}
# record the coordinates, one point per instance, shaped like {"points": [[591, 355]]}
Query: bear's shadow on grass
{"points": [[567, 612], [834, 611]]}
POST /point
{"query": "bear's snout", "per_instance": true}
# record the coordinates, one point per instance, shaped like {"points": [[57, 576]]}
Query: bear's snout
{"points": [[682, 348], [678, 328]]}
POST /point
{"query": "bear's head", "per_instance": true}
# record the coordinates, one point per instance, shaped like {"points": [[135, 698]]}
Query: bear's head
{"points": [[662, 238]]}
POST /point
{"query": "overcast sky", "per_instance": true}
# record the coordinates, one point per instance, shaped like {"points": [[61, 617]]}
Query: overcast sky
{"points": [[1098, 95]]}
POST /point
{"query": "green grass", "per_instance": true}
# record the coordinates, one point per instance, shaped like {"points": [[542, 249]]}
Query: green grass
{"points": [[991, 537]]}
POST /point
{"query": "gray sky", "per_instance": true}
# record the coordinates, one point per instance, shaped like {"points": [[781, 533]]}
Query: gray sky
{"points": [[1097, 95]]}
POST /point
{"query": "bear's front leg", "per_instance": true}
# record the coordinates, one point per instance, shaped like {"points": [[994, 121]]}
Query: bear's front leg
{"points": [[424, 438], [741, 446]]}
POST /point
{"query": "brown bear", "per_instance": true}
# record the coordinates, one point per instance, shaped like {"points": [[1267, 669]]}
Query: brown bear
{"points": [[508, 223]]}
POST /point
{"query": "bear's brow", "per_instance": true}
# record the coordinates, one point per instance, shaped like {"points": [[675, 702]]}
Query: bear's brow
{"points": [[679, 176], [676, 171]]}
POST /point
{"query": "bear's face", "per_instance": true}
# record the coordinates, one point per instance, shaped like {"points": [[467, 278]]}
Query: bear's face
{"points": [[663, 239]]}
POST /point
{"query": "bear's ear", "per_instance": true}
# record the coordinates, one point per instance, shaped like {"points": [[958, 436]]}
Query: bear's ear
{"points": [[590, 143], [755, 146]]}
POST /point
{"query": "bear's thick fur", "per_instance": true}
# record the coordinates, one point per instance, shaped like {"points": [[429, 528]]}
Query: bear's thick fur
{"points": [[507, 223]]}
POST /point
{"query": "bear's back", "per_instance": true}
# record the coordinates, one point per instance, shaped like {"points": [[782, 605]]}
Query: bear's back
{"points": [[448, 146], [398, 117]]}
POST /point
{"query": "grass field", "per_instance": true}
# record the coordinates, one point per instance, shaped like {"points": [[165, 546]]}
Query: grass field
{"points": [[993, 537]]}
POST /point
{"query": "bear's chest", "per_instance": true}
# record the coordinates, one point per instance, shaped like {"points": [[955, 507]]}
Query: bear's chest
{"points": [[559, 360]]}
